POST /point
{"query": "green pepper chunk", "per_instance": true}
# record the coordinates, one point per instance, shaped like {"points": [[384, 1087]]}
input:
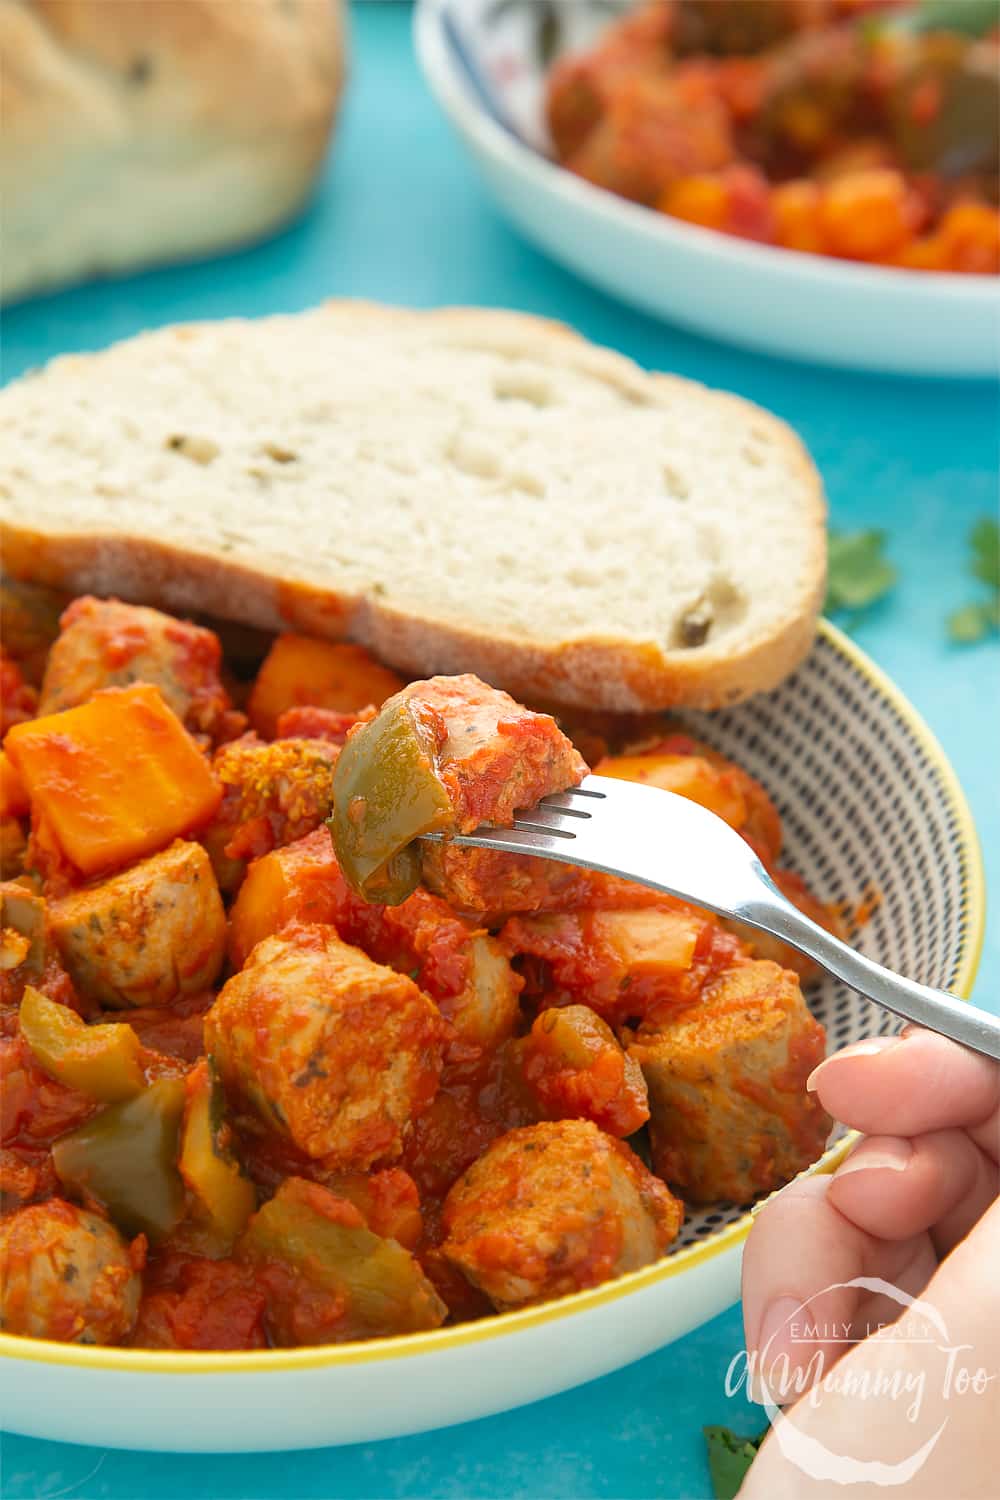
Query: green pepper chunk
{"points": [[382, 1289], [961, 134], [125, 1158], [386, 793], [102, 1062], [731, 28], [207, 1162]]}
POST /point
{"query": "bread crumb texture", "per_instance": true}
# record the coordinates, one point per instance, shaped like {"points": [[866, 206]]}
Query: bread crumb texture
{"points": [[447, 482]]}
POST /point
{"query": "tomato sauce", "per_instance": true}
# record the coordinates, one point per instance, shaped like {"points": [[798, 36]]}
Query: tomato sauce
{"points": [[339, 1024]]}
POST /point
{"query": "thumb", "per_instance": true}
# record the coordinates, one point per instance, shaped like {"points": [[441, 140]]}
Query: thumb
{"points": [[908, 1407]]}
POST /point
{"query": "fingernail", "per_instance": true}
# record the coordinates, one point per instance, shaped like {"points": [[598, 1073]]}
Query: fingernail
{"points": [[777, 1338], [856, 1049], [890, 1155]]}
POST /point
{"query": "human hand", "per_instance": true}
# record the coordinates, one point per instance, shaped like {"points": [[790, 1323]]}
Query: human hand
{"points": [[914, 1206]]}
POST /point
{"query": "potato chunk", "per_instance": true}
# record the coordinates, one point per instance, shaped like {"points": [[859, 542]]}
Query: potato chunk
{"points": [[14, 799], [690, 769], [301, 671], [574, 1068], [730, 1115], [65, 1274], [333, 1051], [113, 780], [630, 962], [105, 643], [552, 1208], [148, 935]]}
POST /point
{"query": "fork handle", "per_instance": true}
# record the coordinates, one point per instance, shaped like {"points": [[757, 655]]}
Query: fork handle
{"points": [[935, 1009]]}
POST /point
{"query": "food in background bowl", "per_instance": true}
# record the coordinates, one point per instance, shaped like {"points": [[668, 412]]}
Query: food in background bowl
{"points": [[818, 125], [308, 1119]]}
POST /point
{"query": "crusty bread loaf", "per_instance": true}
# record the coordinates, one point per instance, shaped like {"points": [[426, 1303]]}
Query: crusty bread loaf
{"points": [[459, 490], [139, 131]]}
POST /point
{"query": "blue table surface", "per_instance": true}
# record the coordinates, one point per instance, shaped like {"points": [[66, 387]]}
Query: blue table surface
{"points": [[401, 216]]}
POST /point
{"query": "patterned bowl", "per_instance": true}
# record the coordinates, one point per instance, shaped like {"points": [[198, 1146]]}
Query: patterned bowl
{"points": [[486, 60], [869, 804]]}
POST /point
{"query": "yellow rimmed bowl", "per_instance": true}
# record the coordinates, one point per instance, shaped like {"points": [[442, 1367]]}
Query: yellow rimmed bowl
{"points": [[871, 809]]}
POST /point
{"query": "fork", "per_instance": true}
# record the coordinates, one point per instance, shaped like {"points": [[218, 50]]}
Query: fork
{"points": [[674, 845]]}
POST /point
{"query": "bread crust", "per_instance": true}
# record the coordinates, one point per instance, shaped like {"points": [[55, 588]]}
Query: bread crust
{"points": [[139, 131], [598, 671]]}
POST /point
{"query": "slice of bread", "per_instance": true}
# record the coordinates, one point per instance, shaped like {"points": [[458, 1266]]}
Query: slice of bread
{"points": [[142, 131], [459, 490]]}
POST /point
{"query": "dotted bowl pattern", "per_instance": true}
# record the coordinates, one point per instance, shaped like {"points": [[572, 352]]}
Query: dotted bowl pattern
{"points": [[866, 814]]}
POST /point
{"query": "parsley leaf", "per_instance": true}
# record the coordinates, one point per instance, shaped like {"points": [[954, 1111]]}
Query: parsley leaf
{"points": [[975, 621], [973, 17], [984, 540], [729, 1458], [858, 573]]}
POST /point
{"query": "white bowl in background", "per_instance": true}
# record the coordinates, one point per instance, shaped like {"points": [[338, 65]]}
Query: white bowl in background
{"points": [[780, 301]]}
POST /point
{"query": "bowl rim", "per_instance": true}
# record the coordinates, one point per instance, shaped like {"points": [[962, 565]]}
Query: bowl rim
{"points": [[440, 1340], [822, 272]]}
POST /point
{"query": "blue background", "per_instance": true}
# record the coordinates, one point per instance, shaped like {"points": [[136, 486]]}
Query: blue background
{"points": [[400, 216]]}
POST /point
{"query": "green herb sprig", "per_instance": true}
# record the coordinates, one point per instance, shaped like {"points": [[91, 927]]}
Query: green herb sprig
{"points": [[858, 572], [981, 617], [729, 1458]]}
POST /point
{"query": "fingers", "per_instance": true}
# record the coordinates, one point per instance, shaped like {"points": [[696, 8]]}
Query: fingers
{"points": [[894, 1188], [910, 1085], [911, 1408], [906, 1197], [800, 1253], [966, 1289]]}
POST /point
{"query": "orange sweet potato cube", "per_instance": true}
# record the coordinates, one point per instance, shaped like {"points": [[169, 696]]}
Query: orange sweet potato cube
{"points": [[299, 670], [115, 779], [13, 792], [297, 882]]}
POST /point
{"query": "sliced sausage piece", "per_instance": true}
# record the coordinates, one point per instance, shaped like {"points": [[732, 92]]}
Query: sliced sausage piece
{"points": [[492, 884], [66, 1274], [333, 1051], [105, 643], [463, 753], [552, 1208], [148, 935], [465, 972], [18, 699], [730, 1115], [652, 131]]}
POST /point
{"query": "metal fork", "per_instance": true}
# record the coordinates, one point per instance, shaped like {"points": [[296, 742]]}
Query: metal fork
{"points": [[674, 845]]}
